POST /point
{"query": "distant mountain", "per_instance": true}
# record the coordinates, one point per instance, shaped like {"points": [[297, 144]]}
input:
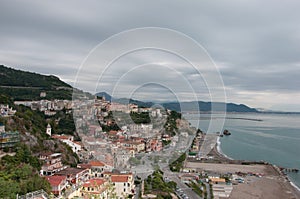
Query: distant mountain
{"points": [[186, 106], [22, 85], [105, 95], [208, 106], [124, 100]]}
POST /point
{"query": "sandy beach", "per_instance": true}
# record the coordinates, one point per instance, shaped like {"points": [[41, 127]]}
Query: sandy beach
{"points": [[267, 187], [272, 184]]}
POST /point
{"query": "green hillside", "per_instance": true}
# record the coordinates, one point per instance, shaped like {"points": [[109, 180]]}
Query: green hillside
{"points": [[21, 85]]}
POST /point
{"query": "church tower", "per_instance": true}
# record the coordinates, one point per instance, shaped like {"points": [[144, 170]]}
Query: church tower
{"points": [[48, 131]]}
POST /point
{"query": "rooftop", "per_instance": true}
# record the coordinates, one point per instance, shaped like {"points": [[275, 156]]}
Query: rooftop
{"points": [[119, 178], [96, 163], [55, 180], [70, 171], [94, 183]]}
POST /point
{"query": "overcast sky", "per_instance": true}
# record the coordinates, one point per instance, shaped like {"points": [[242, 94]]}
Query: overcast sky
{"points": [[254, 44]]}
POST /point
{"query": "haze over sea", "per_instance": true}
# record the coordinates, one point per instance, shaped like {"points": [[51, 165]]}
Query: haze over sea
{"points": [[274, 138]]}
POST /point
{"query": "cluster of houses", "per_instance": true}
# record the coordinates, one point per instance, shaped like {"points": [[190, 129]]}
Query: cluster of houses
{"points": [[92, 180], [49, 107], [104, 153]]}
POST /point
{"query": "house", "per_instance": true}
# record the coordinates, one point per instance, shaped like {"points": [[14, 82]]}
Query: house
{"points": [[153, 145], [98, 167], [58, 184], [52, 163], [69, 140], [121, 157], [5, 110], [95, 188], [75, 176], [123, 184]]}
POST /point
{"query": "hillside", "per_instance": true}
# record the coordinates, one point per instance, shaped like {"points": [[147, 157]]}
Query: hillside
{"points": [[21, 85], [19, 174], [186, 106]]}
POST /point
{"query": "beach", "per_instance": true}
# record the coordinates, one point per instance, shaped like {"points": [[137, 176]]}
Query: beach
{"points": [[271, 185]]}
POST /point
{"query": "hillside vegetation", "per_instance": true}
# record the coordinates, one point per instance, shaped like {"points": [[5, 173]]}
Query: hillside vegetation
{"points": [[21, 85]]}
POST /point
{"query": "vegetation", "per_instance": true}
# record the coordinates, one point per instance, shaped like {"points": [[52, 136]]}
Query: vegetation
{"points": [[155, 184], [166, 142], [140, 118], [171, 123], [32, 128], [65, 124], [19, 174], [196, 188], [177, 165], [31, 85], [134, 161]]}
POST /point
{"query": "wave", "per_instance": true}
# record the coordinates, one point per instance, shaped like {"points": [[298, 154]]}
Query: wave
{"points": [[293, 184]]}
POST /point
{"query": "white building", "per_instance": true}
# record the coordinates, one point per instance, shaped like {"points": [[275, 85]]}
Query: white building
{"points": [[48, 130]]}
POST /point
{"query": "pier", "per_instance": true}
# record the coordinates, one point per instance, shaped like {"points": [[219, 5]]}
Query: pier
{"points": [[289, 170]]}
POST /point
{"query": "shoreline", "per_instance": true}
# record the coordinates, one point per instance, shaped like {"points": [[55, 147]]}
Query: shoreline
{"points": [[219, 150]]}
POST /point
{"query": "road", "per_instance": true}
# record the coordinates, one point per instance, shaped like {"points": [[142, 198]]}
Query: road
{"points": [[173, 176]]}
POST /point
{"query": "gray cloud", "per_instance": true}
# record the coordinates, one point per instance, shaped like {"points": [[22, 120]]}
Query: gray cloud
{"points": [[255, 44]]}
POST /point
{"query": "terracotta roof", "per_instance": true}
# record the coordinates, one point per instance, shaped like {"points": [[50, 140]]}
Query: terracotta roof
{"points": [[84, 166], [96, 163], [55, 180], [119, 178], [94, 183]]}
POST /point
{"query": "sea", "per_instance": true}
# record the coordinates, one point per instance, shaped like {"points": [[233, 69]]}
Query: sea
{"points": [[274, 138]]}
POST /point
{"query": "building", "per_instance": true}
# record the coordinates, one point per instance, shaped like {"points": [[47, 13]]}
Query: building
{"points": [[98, 167], [52, 163], [123, 184], [69, 140], [76, 176], [153, 145], [48, 130], [43, 94], [9, 139], [121, 158], [6, 111], [95, 188], [58, 184]]}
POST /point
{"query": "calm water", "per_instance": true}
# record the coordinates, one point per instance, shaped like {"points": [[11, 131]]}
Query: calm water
{"points": [[275, 139]]}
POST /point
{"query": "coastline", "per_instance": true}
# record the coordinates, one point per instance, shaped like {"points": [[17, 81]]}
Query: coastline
{"points": [[219, 150], [294, 185]]}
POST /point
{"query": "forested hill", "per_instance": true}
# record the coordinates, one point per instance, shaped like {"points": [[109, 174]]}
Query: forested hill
{"points": [[22, 85]]}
